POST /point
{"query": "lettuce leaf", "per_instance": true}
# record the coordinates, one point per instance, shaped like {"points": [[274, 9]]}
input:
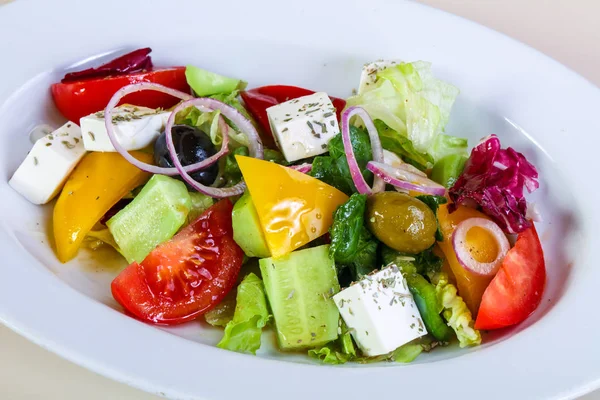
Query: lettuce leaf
{"points": [[446, 145], [402, 146], [411, 102], [456, 312], [493, 178], [208, 122], [200, 203], [243, 332], [223, 312], [206, 83], [407, 353], [337, 352]]}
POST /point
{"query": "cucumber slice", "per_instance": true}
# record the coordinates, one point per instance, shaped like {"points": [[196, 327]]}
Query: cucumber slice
{"points": [[247, 230], [299, 287], [153, 217]]}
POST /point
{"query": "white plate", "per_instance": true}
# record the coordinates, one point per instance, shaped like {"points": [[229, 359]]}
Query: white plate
{"points": [[530, 101]]}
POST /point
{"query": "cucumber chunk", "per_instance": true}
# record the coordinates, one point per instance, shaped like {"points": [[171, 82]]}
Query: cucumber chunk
{"points": [[247, 230], [299, 287], [153, 217]]}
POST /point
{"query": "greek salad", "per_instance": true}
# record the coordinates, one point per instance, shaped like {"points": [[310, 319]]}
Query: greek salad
{"points": [[357, 229]]}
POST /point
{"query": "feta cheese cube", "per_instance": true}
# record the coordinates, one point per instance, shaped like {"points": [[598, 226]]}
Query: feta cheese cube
{"points": [[45, 169], [369, 73], [381, 312], [304, 126], [135, 128]]}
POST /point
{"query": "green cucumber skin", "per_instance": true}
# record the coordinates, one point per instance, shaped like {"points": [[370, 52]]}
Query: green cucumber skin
{"points": [[299, 287], [247, 230], [153, 217]]}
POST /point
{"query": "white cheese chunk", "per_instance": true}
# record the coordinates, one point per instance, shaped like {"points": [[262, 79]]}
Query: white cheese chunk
{"points": [[135, 128], [45, 169], [304, 126], [381, 312], [369, 73]]}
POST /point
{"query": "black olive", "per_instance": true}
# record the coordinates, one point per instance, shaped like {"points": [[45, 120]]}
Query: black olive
{"points": [[192, 145]]}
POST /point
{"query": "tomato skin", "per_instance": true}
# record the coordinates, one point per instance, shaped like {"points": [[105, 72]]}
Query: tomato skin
{"points": [[258, 100], [517, 289], [77, 99], [167, 288]]}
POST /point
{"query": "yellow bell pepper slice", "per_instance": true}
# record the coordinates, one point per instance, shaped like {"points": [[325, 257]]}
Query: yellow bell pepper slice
{"points": [[470, 286], [293, 208], [98, 182]]}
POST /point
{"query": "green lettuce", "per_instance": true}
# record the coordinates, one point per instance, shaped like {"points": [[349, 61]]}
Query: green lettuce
{"points": [[456, 312], [446, 145], [206, 83], [411, 103], [208, 121], [407, 353], [243, 332], [200, 203], [402, 146], [339, 351], [223, 312]]}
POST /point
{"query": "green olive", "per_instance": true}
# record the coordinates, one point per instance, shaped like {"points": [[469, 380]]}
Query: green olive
{"points": [[401, 222]]}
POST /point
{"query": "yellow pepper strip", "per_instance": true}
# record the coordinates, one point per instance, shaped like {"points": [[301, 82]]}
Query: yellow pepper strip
{"points": [[470, 285], [293, 208], [98, 182]]}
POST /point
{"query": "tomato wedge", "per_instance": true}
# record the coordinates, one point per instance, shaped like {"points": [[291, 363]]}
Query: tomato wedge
{"points": [[186, 276], [516, 291], [80, 98], [258, 100]]}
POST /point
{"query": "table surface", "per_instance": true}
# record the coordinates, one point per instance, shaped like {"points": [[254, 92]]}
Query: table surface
{"points": [[565, 30]]}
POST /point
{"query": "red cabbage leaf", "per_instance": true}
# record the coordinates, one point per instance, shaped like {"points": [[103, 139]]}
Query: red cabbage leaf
{"points": [[136, 61], [493, 179]]}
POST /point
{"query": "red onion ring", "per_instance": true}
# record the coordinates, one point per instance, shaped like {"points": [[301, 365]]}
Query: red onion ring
{"points": [[464, 256], [255, 145], [377, 150], [114, 101], [255, 148], [404, 179], [305, 168], [203, 104]]}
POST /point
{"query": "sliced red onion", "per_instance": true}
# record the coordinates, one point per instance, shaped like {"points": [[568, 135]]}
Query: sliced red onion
{"points": [[203, 104], [305, 168], [255, 145], [404, 179], [463, 253], [110, 130], [393, 160], [377, 150]]}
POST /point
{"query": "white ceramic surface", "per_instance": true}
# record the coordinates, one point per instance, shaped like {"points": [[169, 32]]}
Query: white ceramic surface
{"points": [[533, 103]]}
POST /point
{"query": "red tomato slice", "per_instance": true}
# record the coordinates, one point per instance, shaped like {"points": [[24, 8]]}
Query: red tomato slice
{"points": [[258, 100], [517, 289], [78, 99], [186, 276]]}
